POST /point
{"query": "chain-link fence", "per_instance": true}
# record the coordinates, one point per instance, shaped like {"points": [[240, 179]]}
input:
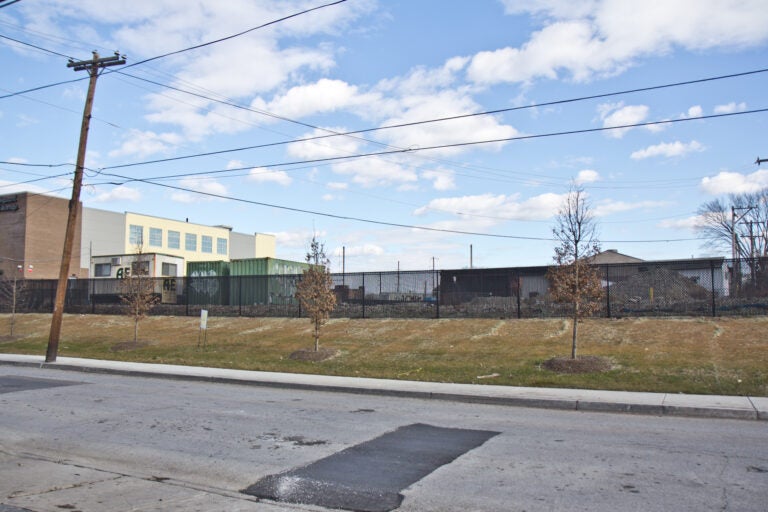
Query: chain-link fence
{"points": [[697, 287]]}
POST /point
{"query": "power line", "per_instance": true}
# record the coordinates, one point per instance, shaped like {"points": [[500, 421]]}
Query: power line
{"points": [[284, 18], [273, 22], [10, 2], [400, 125], [36, 47], [452, 145], [371, 221], [332, 133]]}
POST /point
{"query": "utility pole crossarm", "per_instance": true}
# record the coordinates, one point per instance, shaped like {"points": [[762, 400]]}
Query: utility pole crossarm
{"points": [[92, 66]]}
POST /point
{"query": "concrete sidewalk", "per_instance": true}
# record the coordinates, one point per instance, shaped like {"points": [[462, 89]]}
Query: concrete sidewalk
{"points": [[706, 406]]}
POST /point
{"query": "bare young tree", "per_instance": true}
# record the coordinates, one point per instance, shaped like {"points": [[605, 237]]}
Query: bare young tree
{"points": [[11, 296], [138, 291], [315, 289], [573, 280]]}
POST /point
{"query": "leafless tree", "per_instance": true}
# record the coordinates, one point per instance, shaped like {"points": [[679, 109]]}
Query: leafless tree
{"points": [[138, 291], [739, 225], [573, 280], [315, 289], [11, 296], [717, 225]]}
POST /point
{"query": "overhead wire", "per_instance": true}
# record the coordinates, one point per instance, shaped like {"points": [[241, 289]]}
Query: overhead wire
{"points": [[459, 144], [407, 150], [371, 221], [332, 133]]}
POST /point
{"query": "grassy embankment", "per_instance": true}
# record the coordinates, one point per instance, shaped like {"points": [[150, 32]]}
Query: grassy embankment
{"points": [[697, 355]]}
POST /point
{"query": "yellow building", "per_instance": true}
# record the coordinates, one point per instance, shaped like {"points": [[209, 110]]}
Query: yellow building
{"points": [[113, 233]]}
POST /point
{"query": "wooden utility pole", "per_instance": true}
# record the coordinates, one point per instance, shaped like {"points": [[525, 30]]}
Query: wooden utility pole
{"points": [[93, 67]]}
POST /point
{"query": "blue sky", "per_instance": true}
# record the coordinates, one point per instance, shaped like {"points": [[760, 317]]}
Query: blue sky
{"points": [[363, 64]]}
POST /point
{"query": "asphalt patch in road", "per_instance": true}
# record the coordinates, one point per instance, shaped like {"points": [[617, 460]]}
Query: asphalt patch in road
{"points": [[10, 508], [368, 477], [13, 383]]}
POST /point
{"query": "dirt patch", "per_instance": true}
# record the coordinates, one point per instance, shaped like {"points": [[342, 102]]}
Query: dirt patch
{"points": [[307, 354], [7, 338], [126, 346], [582, 364]]}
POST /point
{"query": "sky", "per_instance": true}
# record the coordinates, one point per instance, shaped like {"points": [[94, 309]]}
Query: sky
{"points": [[242, 117]]}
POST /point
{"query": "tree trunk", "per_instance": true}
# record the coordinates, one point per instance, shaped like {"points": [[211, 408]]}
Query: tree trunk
{"points": [[575, 330], [317, 335], [136, 329], [576, 310]]}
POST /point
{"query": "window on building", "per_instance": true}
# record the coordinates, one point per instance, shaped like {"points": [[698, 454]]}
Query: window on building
{"points": [[190, 242], [135, 234], [206, 243], [221, 246], [169, 269], [140, 268], [103, 270], [155, 237], [174, 240]]}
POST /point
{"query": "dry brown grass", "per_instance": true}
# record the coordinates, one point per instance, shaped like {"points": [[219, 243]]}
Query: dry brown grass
{"points": [[690, 355]]}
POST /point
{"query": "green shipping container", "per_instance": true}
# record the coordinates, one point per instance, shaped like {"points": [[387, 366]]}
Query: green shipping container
{"points": [[208, 283], [264, 281], [266, 267]]}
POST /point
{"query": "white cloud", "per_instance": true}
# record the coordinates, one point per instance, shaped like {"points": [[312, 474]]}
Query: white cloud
{"points": [[588, 39], [200, 185], [119, 193], [373, 172], [442, 179], [144, 143], [616, 114], [322, 96], [735, 183], [261, 175], [731, 107], [359, 250], [294, 239], [668, 149], [694, 111], [609, 207], [336, 185], [324, 148], [496, 208], [445, 103], [240, 68], [587, 176], [686, 223]]}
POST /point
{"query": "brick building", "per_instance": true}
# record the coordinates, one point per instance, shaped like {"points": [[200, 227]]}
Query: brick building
{"points": [[32, 228]]}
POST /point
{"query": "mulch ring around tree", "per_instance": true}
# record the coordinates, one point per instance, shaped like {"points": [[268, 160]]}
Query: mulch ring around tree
{"points": [[582, 364], [308, 354]]}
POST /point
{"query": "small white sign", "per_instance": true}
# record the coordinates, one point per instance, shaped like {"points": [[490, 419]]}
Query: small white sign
{"points": [[203, 319]]}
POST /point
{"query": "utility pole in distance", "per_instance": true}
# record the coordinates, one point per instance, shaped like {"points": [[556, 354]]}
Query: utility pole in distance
{"points": [[93, 67]]}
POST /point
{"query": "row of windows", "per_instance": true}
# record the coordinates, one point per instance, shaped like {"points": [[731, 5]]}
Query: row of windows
{"points": [[136, 237]]}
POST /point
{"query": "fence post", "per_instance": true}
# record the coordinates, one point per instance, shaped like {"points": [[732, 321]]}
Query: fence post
{"points": [[519, 292], [363, 295], [186, 295], [712, 279], [437, 294], [608, 291]]}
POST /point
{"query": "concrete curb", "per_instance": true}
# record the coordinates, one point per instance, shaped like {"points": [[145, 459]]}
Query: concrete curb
{"points": [[657, 404]]}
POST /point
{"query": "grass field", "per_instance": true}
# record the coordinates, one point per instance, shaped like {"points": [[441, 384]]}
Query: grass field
{"points": [[687, 355]]}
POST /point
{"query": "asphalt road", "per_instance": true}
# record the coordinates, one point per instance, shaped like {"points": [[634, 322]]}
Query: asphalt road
{"points": [[93, 442]]}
